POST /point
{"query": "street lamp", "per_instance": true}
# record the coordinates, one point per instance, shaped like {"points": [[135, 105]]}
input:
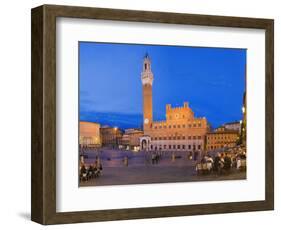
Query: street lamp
{"points": [[115, 129]]}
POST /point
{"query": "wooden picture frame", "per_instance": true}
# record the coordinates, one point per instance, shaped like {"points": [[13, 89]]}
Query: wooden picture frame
{"points": [[43, 188]]}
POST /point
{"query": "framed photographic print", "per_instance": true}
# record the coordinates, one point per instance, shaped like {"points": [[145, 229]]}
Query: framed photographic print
{"points": [[141, 114]]}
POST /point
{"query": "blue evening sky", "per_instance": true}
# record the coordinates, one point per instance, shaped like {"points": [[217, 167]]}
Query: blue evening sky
{"points": [[212, 80]]}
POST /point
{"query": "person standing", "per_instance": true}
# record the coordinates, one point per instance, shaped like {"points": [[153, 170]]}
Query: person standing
{"points": [[227, 162], [126, 162], [217, 162], [173, 157]]}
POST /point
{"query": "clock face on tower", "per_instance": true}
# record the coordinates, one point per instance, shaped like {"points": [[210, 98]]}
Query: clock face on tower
{"points": [[146, 121]]}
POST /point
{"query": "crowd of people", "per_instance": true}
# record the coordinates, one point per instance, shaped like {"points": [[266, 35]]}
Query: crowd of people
{"points": [[155, 157], [91, 171], [222, 162]]}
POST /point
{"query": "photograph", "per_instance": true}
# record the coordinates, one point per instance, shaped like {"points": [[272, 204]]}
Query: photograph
{"points": [[139, 114], [160, 114]]}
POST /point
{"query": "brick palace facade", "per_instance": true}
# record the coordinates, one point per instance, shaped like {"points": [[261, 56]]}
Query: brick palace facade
{"points": [[181, 131]]}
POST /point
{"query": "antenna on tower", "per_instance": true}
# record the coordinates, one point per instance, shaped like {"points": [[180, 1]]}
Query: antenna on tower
{"points": [[146, 55]]}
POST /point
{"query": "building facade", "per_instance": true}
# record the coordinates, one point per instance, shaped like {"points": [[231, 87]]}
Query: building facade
{"points": [[233, 126], [221, 138], [89, 135], [125, 141], [110, 136], [131, 139], [181, 131]]}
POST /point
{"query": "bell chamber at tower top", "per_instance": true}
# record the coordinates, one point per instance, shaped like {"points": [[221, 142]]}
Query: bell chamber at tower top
{"points": [[147, 75]]}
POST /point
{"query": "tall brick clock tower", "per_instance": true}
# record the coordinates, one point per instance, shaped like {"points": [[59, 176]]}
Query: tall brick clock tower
{"points": [[147, 80]]}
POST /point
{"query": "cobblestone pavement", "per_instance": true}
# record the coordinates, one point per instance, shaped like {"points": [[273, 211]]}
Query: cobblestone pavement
{"points": [[140, 170]]}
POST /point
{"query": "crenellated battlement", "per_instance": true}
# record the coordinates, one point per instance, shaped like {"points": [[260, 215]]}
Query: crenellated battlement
{"points": [[179, 108], [183, 112]]}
